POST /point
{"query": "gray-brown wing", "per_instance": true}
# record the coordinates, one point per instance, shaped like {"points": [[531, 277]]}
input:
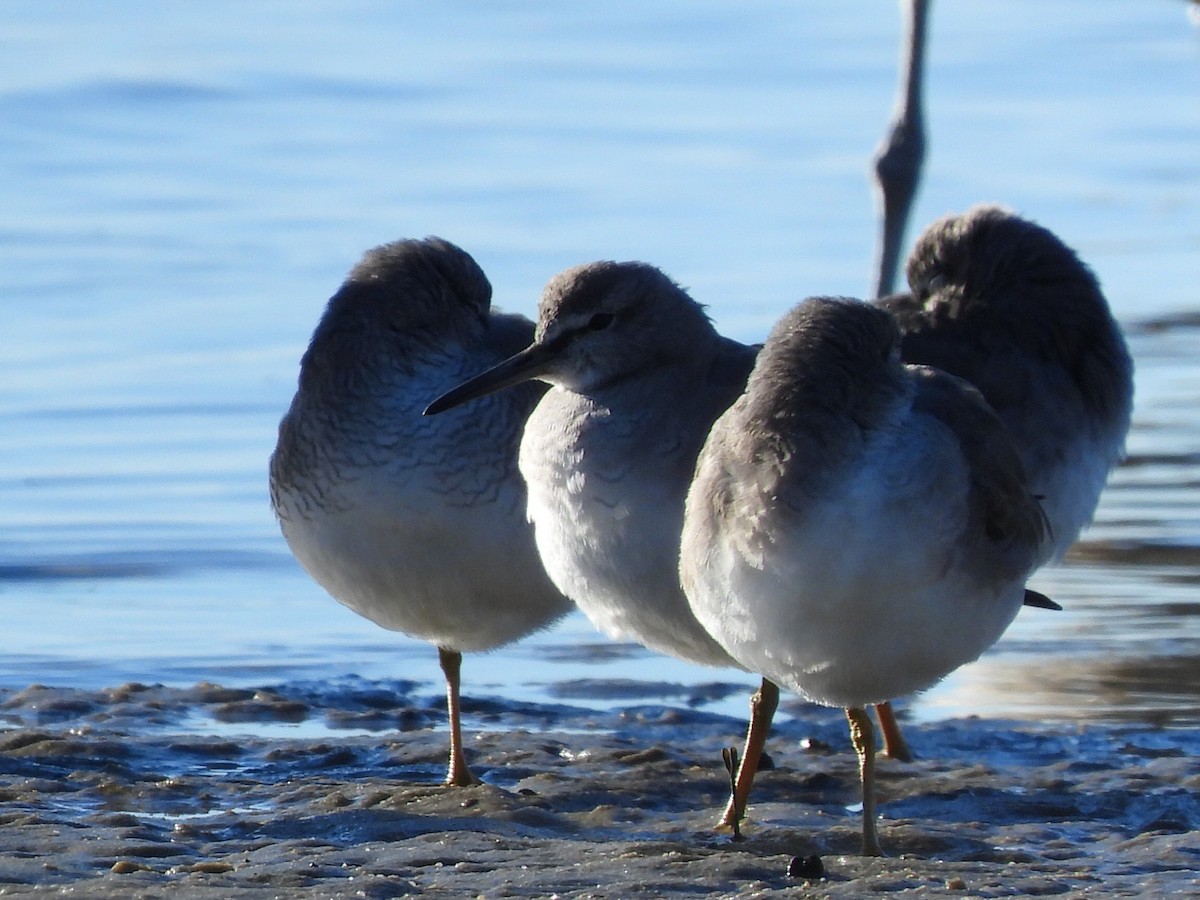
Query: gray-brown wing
{"points": [[1001, 502]]}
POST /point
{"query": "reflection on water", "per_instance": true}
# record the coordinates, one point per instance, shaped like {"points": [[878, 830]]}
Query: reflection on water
{"points": [[1124, 649]]}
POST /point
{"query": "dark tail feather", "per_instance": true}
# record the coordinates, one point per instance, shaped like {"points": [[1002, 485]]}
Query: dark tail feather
{"points": [[1041, 601]]}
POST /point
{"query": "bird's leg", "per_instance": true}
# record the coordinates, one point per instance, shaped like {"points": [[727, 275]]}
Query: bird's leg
{"points": [[458, 774], [894, 744], [763, 704], [730, 756], [862, 736], [898, 159]]}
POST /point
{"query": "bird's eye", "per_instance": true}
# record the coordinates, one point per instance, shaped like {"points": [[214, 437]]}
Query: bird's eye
{"points": [[600, 321]]}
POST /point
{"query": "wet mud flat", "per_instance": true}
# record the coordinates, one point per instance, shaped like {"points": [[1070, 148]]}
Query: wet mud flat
{"points": [[330, 790]]}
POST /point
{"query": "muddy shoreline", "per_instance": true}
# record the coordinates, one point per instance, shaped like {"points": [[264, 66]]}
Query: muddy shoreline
{"points": [[148, 791]]}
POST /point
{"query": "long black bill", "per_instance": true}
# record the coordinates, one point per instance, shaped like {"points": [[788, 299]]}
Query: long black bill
{"points": [[527, 364], [1041, 601]]}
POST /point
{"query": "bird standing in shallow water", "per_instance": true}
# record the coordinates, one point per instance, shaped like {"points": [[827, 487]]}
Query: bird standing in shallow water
{"points": [[1004, 303], [637, 375], [417, 524], [857, 528]]}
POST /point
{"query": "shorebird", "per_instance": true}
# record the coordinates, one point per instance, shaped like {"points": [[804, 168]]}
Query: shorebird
{"points": [[857, 527], [417, 524], [1004, 303], [638, 374]]}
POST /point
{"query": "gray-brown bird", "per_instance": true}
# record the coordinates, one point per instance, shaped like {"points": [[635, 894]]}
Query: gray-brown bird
{"points": [[638, 373], [857, 528], [418, 524]]}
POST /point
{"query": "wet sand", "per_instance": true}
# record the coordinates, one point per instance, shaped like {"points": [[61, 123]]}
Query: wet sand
{"points": [[330, 790]]}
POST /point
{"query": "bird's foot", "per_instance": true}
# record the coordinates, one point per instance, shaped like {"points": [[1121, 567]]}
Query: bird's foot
{"points": [[733, 816], [459, 775]]}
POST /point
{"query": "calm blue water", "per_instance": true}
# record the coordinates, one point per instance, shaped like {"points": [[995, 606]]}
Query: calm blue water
{"points": [[185, 185]]}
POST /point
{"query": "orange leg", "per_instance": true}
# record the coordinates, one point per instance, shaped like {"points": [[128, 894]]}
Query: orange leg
{"points": [[894, 744], [862, 736], [763, 704], [459, 775]]}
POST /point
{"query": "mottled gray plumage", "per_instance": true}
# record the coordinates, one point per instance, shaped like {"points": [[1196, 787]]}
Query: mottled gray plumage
{"points": [[637, 375], [415, 523], [857, 527], [1005, 304]]}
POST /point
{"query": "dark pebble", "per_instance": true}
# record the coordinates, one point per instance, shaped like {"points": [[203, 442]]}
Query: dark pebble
{"points": [[808, 867]]}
